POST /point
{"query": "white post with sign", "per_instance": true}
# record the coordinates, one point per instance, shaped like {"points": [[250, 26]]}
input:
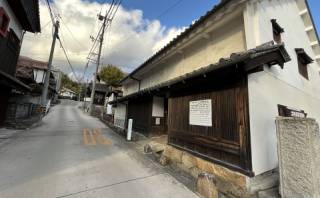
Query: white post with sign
{"points": [[129, 134]]}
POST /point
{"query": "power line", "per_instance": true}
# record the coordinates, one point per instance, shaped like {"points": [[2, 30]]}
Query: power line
{"points": [[50, 11], [107, 20], [68, 60], [60, 39], [159, 16], [45, 25], [72, 35], [110, 16], [169, 8]]}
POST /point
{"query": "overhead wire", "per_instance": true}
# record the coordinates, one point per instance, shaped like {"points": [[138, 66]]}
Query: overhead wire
{"points": [[68, 60], [45, 25], [110, 14], [158, 16], [50, 12], [60, 39], [72, 35]]}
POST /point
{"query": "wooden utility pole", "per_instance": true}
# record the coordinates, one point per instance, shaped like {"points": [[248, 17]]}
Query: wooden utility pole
{"points": [[105, 20], [47, 77]]}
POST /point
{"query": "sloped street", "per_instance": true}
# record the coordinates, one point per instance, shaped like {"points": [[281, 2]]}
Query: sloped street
{"points": [[73, 155]]}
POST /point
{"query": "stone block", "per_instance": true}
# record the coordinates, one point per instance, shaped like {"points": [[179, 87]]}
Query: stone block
{"points": [[229, 176], [157, 147], [298, 151], [188, 160], [204, 165], [206, 186], [194, 172], [173, 154], [147, 148], [221, 172], [231, 190], [228, 182], [164, 161], [183, 168]]}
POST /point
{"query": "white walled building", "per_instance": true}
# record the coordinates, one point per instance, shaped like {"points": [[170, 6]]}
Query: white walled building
{"points": [[67, 93], [274, 85], [203, 64]]}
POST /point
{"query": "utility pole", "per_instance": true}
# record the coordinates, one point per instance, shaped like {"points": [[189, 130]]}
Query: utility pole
{"points": [[105, 20], [47, 77]]}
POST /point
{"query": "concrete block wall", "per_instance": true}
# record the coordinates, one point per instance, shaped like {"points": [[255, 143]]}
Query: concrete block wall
{"points": [[299, 157]]}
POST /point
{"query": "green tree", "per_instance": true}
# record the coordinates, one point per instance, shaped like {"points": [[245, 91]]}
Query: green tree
{"points": [[66, 82], [112, 75]]}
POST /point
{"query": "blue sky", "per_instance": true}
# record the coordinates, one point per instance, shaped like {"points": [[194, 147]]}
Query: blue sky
{"points": [[183, 12], [130, 30]]}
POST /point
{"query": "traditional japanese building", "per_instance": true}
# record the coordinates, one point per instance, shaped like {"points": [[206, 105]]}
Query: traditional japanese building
{"points": [[217, 88], [26, 106], [100, 95], [16, 17]]}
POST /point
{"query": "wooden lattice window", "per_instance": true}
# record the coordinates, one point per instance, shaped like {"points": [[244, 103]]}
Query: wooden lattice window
{"points": [[303, 61], [277, 31], [286, 111], [4, 22]]}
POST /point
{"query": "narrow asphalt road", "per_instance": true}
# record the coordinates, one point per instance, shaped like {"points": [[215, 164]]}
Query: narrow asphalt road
{"points": [[74, 155]]}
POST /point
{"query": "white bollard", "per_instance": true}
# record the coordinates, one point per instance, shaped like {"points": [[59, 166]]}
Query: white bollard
{"points": [[129, 134]]}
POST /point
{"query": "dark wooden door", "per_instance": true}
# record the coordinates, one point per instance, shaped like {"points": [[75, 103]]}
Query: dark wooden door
{"points": [[140, 110]]}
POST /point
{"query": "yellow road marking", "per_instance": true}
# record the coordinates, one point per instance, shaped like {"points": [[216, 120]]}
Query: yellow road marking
{"points": [[101, 138], [91, 137], [85, 136]]}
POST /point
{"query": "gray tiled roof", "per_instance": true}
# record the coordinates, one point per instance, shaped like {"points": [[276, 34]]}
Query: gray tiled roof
{"points": [[178, 38], [234, 59]]}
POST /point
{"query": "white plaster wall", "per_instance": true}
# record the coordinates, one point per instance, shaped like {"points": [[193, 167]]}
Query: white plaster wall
{"points": [[158, 107], [14, 24], [39, 75], [109, 109], [276, 86], [203, 52], [120, 115], [222, 38], [130, 88]]}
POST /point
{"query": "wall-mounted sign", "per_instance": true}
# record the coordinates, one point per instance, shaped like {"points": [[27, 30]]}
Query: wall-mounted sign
{"points": [[200, 113], [157, 121]]}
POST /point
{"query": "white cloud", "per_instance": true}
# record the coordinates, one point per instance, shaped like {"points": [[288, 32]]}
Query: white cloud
{"points": [[130, 40]]}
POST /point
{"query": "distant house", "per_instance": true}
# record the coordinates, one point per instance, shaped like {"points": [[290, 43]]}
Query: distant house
{"points": [[66, 93], [29, 69], [15, 17], [101, 91], [25, 105], [113, 94], [217, 88]]}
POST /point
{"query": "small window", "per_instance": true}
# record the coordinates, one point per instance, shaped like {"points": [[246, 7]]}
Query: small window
{"points": [[303, 61], [277, 31], [286, 111], [4, 22]]}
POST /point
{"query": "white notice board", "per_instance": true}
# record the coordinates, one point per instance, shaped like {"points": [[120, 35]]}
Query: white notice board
{"points": [[200, 113]]}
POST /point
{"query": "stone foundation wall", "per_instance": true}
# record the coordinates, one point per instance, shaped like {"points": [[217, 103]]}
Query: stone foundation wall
{"points": [[225, 181], [299, 157], [214, 180]]}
